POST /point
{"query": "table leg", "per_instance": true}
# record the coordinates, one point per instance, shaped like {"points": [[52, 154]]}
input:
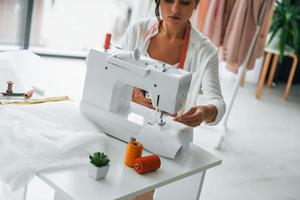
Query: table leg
{"points": [[291, 77], [186, 188], [201, 184], [263, 75], [145, 196], [273, 69], [25, 191]]}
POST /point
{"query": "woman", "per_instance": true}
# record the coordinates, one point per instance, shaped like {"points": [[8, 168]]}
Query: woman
{"points": [[164, 39], [171, 38]]}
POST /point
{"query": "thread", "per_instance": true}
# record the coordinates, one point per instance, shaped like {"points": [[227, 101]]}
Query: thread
{"points": [[29, 94], [147, 164], [133, 150], [107, 41], [9, 87]]}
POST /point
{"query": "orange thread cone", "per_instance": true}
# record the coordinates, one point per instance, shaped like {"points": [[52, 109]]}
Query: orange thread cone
{"points": [[146, 164], [133, 150]]}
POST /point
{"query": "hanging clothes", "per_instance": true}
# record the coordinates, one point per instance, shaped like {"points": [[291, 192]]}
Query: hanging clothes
{"points": [[212, 27], [212, 21], [229, 5], [201, 13], [240, 31], [231, 25]]}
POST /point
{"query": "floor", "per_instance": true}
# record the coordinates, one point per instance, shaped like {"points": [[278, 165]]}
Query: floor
{"points": [[261, 151]]}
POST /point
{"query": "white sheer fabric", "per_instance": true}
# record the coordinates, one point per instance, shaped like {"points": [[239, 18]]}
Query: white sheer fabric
{"points": [[37, 137]]}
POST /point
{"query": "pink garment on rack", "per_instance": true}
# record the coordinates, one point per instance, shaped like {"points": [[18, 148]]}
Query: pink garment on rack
{"points": [[201, 13], [213, 24], [229, 5], [240, 31], [216, 20]]}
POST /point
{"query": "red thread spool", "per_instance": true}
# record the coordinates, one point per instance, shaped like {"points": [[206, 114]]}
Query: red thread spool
{"points": [[107, 41], [9, 87], [29, 94], [146, 164]]}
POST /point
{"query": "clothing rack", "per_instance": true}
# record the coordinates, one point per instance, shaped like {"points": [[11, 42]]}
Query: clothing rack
{"points": [[241, 73]]}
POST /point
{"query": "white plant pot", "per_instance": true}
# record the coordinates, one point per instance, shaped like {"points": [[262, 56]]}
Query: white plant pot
{"points": [[274, 44], [97, 172]]}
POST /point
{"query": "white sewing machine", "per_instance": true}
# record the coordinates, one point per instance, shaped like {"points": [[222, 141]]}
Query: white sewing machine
{"points": [[110, 78]]}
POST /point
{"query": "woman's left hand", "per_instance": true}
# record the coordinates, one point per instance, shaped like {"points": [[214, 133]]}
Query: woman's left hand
{"points": [[196, 115]]}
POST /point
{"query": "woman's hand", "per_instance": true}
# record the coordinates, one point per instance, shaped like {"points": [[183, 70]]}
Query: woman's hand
{"points": [[196, 115], [138, 97]]}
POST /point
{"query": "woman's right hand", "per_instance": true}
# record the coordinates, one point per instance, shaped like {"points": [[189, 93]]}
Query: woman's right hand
{"points": [[138, 97]]}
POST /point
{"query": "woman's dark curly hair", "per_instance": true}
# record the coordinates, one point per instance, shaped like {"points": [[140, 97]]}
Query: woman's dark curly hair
{"points": [[157, 10]]}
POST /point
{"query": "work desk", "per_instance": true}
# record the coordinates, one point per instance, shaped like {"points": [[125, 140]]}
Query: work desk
{"points": [[121, 182], [178, 179]]}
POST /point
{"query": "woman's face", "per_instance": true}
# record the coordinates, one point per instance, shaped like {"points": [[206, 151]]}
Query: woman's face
{"points": [[177, 12]]}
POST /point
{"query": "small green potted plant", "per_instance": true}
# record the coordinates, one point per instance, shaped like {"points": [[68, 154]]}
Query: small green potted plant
{"points": [[285, 27], [99, 165]]}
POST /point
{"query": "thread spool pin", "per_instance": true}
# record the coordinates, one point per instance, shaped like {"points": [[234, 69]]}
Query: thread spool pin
{"points": [[107, 41], [133, 140], [9, 87]]}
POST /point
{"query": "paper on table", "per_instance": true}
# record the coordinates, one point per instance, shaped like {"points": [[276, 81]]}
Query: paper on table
{"points": [[165, 140]]}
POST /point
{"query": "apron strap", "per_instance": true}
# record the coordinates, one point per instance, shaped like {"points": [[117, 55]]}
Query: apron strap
{"points": [[185, 46]]}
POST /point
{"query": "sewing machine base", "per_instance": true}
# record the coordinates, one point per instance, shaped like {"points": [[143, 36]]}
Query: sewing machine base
{"points": [[162, 140]]}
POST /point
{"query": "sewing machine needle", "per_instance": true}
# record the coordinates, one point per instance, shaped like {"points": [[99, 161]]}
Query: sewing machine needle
{"points": [[162, 122]]}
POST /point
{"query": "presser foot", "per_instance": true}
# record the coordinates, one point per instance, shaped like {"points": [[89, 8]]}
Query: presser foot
{"points": [[162, 123], [161, 120]]}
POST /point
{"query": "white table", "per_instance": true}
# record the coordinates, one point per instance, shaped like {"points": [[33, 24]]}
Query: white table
{"points": [[178, 179], [181, 178]]}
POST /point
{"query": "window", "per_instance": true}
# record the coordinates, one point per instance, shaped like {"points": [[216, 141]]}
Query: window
{"points": [[12, 23], [74, 26], [66, 27]]}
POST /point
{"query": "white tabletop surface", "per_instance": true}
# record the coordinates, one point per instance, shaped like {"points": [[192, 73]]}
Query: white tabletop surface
{"points": [[122, 182]]}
